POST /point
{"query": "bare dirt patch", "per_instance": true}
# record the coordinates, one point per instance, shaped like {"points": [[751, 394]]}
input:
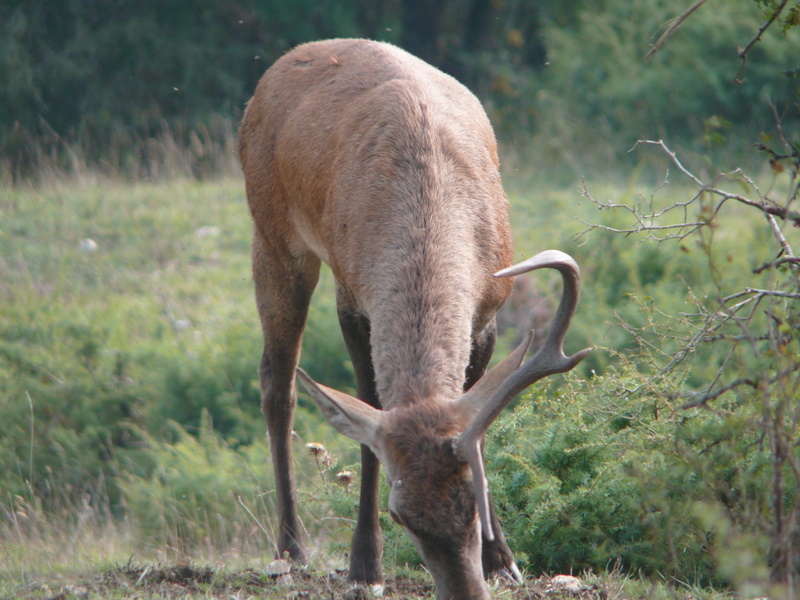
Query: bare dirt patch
{"points": [[188, 582]]}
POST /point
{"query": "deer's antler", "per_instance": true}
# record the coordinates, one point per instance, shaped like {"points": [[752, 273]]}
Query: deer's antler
{"points": [[498, 387]]}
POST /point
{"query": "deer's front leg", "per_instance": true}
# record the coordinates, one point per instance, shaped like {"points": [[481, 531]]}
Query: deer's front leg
{"points": [[367, 545], [283, 285]]}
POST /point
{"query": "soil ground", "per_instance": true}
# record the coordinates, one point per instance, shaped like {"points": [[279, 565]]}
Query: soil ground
{"points": [[189, 582]]}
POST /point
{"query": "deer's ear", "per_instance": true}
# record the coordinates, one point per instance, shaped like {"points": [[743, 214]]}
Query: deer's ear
{"points": [[350, 416]]}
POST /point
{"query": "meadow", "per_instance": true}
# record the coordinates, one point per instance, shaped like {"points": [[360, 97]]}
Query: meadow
{"points": [[134, 454]]}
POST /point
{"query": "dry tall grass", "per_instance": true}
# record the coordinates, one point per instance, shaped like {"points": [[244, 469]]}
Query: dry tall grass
{"points": [[166, 153]]}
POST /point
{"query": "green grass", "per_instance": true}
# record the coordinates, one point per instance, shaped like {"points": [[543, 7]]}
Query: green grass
{"points": [[165, 296], [129, 388]]}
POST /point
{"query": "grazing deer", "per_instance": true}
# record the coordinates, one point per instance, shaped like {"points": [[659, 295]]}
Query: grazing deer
{"points": [[357, 154]]}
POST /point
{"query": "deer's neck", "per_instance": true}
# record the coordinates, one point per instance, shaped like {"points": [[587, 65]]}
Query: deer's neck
{"points": [[422, 316], [416, 251]]}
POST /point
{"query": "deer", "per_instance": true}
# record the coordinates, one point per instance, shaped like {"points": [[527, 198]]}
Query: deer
{"points": [[364, 157]]}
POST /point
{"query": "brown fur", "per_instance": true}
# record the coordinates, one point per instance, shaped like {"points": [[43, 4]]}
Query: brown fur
{"points": [[361, 156]]}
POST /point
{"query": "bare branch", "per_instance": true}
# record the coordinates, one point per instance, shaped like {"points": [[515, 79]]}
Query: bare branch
{"points": [[707, 331], [753, 383], [674, 158], [793, 260], [776, 293], [785, 247], [645, 217], [791, 149], [673, 26], [743, 51], [765, 205]]}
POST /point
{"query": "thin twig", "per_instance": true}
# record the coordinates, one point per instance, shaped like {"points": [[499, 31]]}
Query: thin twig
{"points": [[790, 148], [794, 260], [765, 206], [753, 383], [676, 22], [787, 249], [674, 158], [775, 14], [777, 293], [743, 51]]}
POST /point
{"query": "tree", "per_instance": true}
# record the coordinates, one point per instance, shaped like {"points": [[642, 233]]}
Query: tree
{"points": [[744, 336]]}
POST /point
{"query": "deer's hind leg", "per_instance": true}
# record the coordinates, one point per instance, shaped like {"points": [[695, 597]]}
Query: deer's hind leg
{"points": [[283, 284]]}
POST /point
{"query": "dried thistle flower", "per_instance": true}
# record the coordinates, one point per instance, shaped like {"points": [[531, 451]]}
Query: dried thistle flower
{"points": [[324, 459], [316, 449], [345, 478], [327, 461]]}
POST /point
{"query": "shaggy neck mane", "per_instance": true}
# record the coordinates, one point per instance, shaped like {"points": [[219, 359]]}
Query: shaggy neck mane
{"points": [[422, 310]]}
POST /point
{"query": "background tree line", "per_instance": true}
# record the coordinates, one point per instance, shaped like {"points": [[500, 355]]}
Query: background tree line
{"points": [[558, 76]]}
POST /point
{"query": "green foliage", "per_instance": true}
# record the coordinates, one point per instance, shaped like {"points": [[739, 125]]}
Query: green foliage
{"points": [[122, 403], [67, 400], [128, 372], [219, 381], [680, 457], [600, 480], [106, 73], [197, 493], [597, 86]]}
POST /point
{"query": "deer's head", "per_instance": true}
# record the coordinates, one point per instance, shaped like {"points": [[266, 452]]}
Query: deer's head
{"points": [[432, 450]]}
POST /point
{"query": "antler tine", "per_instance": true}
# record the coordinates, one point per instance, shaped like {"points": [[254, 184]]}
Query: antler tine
{"points": [[549, 360]]}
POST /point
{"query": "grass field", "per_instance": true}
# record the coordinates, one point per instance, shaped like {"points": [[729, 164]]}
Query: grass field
{"points": [[151, 271], [133, 441]]}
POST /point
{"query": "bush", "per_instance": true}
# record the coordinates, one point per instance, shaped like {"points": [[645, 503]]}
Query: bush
{"points": [[198, 495], [68, 405], [600, 479]]}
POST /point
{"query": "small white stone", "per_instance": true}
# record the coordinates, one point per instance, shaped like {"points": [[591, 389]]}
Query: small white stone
{"points": [[207, 231], [567, 583], [277, 567], [78, 591], [364, 592], [87, 245], [182, 324]]}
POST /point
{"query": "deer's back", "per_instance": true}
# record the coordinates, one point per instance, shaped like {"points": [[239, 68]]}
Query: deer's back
{"points": [[356, 151]]}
